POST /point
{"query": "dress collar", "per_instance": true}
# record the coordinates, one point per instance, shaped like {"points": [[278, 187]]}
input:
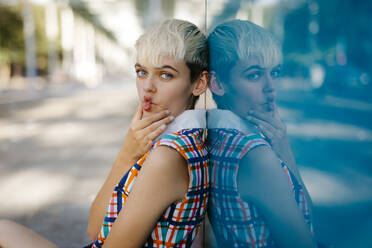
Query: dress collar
{"points": [[220, 118], [189, 119]]}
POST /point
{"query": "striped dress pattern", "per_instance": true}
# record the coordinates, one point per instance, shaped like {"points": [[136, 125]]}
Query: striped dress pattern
{"points": [[180, 222], [237, 222]]}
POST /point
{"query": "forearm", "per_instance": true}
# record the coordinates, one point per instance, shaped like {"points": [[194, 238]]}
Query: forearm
{"points": [[97, 212]]}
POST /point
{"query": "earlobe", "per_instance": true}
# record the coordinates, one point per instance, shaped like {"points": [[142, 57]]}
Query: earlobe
{"points": [[215, 86], [201, 84]]}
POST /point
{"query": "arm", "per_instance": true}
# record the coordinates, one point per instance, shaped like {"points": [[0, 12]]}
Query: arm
{"points": [[138, 141], [261, 178], [160, 183], [276, 132]]}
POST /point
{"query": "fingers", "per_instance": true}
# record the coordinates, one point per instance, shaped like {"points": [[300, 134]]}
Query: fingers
{"points": [[156, 132], [145, 122], [161, 124], [138, 114], [266, 128], [148, 145], [264, 117]]}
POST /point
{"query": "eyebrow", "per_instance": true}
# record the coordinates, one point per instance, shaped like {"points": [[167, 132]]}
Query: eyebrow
{"points": [[167, 66], [162, 67], [253, 67]]}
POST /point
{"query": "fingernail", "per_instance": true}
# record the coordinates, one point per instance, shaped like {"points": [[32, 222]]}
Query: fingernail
{"points": [[171, 118], [162, 126], [167, 112]]}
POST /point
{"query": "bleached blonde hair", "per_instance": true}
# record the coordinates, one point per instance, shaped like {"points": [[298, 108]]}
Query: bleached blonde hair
{"points": [[238, 40], [178, 39]]}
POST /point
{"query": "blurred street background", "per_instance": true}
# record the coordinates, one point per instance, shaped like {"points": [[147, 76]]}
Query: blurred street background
{"points": [[67, 95]]}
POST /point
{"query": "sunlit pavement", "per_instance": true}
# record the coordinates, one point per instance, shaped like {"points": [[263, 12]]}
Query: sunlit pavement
{"points": [[57, 146]]}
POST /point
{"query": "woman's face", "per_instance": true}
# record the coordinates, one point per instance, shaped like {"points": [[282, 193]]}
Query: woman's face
{"points": [[253, 87], [165, 87]]}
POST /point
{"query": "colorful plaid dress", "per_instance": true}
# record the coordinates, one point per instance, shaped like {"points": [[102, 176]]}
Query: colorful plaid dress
{"points": [[237, 222], [180, 222]]}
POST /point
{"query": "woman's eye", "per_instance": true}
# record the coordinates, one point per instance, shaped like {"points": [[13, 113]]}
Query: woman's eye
{"points": [[253, 76], [166, 76], [141, 73], [275, 74]]}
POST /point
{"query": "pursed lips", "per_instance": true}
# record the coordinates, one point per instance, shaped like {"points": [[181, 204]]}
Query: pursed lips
{"points": [[147, 103]]}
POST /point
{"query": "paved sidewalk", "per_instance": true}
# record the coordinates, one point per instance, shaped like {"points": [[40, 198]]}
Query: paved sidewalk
{"points": [[56, 148]]}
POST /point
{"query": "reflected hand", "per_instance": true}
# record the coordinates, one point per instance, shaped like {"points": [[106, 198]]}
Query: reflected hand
{"points": [[271, 126], [143, 131]]}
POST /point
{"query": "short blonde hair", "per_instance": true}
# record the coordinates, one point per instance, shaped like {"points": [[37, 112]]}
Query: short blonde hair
{"points": [[238, 40], [178, 39]]}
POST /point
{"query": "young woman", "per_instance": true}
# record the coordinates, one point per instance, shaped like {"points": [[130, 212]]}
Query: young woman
{"points": [[154, 198], [258, 198]]}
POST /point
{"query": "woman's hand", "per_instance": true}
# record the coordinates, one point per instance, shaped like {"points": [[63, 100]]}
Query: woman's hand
{"points": [[271, 126], [143, 131]]}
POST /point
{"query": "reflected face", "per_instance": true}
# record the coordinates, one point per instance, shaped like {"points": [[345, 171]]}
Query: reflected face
{"points": [[165, 87], [253, 87]]}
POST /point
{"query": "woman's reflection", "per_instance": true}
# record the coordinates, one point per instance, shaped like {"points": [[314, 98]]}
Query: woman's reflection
{"points": [[258, 198]]}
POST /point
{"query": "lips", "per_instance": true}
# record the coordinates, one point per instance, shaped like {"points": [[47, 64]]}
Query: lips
{"points": [[147, 105], [270, 105]]}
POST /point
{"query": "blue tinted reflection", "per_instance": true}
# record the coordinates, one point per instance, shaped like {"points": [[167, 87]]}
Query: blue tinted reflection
{"points": [[258, 198]]}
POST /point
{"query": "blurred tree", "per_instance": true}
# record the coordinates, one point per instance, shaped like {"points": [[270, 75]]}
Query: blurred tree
{"points": [[334, 33], [82, 10], [11, 35], [349, 22], [228, 11], [145, 12]]}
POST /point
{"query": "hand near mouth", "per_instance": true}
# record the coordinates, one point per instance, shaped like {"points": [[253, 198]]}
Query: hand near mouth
{"points": [[272, 127], [147, 105], [143, 131]]}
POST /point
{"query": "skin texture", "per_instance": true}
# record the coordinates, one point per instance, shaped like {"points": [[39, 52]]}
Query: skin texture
{"points": [[13, 235]]}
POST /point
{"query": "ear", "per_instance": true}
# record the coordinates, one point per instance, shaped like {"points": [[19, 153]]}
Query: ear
{"points": [[201, 84], [215, 86]]}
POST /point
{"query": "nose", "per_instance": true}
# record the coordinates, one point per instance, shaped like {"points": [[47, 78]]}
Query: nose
{"points": [[149, 85], [269, 85]]}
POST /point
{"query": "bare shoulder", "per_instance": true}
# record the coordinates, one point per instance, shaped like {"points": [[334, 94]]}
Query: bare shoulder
{"points": [[259, 167], [168, 166], [165, 156], [261, 156]]}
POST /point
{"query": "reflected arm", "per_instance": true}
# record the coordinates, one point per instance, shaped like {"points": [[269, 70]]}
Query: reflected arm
{"points": [[261, 178]]}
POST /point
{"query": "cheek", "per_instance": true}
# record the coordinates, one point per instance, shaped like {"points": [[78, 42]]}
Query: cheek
{"points": [[175, 95], [249, 92], [253, 93]]}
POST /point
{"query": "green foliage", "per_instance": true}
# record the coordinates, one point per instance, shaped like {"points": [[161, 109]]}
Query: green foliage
{"points": [[344, 23], [11, 35], [296, 31]]}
